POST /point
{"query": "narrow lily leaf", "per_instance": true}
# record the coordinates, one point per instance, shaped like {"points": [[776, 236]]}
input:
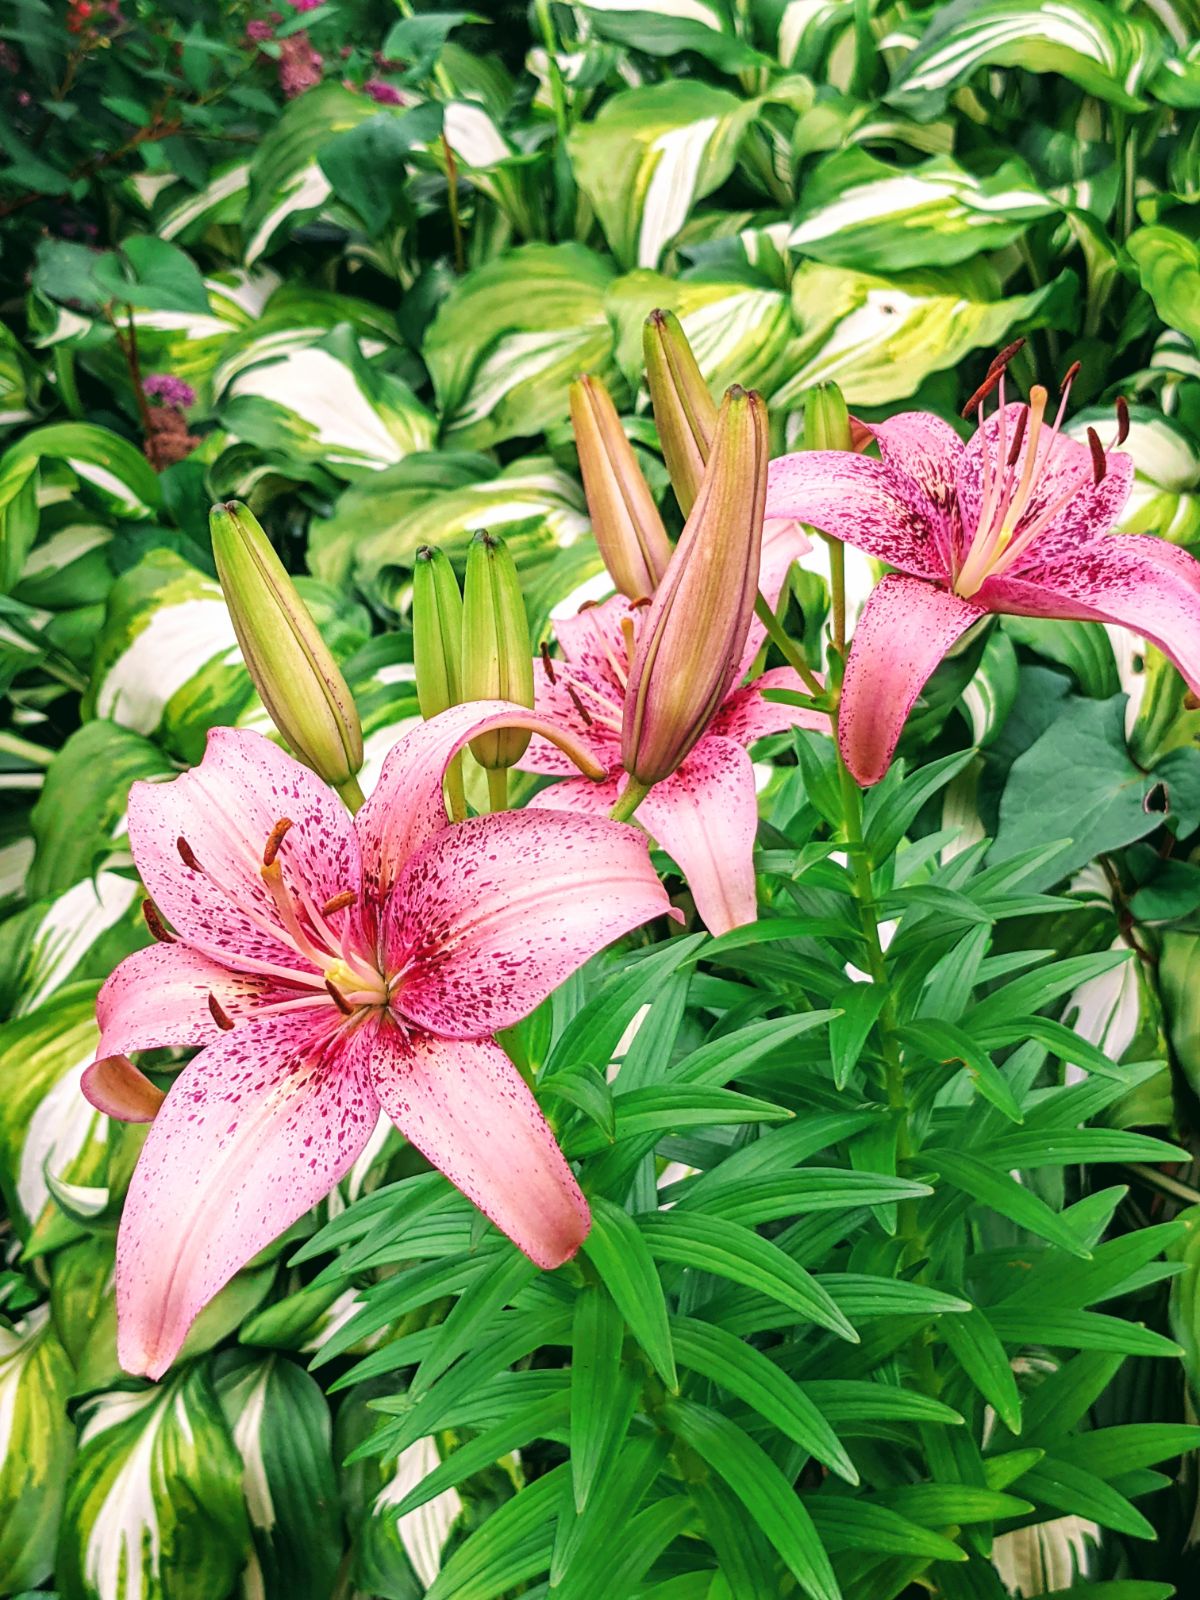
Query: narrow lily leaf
{"points": [[669, 1109], [977, 1349], [860, 1005], [602, 1389], [993, 1187], [857, 1523], [1061, 1486], [512, 1546], [948, 1044], [540, 1419], [619, 1253]]}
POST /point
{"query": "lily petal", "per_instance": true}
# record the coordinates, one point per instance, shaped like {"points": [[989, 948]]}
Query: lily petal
{"points": [[224, 810], [904, 631], [115, 1086], [580, 795], [160, 996], [495, 913], [253, 1132], [705, 816], [1136, 580], [599, 729], [746, 716], [867, 503], [929, 452], [467, 1109]]}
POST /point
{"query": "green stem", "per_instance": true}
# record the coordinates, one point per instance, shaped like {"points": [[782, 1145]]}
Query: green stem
{"points": [[11, 744], [837, 593], [456, 790], [456, 227], [785, 646], [351, 793], [558, 94], [628, 802], [497, 779]]}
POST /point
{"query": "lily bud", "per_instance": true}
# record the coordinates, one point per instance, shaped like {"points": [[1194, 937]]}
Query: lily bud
{"points": [[826, 420], [690, 648], [497, 656], [685, 413], [298, 680], [437, 625], [625, 520]]}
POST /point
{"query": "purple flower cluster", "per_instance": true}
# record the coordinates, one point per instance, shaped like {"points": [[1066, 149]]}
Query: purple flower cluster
{"points": [[169, 391]]}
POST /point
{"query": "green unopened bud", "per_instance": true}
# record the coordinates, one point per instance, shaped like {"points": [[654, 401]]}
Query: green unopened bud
{"points": [[685, 413], [298, 680], [826, 420], [497, 657], [437, 622], [625, 519], [690, 648]]}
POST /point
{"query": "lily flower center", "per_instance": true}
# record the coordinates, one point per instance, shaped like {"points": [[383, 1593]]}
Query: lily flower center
{"points": [[1014, 472], [599, 703]]}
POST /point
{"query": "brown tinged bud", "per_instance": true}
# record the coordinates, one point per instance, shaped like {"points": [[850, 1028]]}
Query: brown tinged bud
{"points": [[497, 655], [685, 413], [299, 682], [694, 632], [625, 519]]}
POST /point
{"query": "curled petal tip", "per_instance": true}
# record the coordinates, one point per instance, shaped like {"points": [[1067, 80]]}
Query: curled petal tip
{"points": [[115, 1086]]}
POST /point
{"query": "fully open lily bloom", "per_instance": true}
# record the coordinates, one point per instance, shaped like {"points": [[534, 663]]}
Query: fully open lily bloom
{"points": [[333, 966], [705, 815], [1019, 520]]}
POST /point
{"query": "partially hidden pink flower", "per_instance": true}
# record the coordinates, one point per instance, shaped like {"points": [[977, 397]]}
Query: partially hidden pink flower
{"points": [[300, 65], [332, 967], [705, 815], [386, 94], [1019, 520]]}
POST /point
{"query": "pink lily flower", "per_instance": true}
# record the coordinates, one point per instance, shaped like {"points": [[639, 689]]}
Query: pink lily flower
{"points": [[705, 815], [1018, 521], [333, 966]]}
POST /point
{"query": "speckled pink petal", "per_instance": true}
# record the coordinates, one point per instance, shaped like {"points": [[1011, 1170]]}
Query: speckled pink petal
{"points": [[864, 502], [746, 716], [493, 914], [466, 1108], [1135, 580], [115, 1086], [904, 631], [705, 816], [1091, 513], [579, 794], [253, 1132], [551, 699], [224, 810], [160, 996], [927, 450]]}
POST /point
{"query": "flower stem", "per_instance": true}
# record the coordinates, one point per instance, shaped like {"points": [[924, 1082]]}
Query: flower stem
{"points": [[497, 781], [455, 790], [630, 799], [557, 91], [785, 646], [837, 592], [351, 793]]}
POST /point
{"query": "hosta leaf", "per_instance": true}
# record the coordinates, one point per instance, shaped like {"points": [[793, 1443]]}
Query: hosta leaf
{"points": [[37, 1441], [113, 470], [1167, 263], [704, 26]]}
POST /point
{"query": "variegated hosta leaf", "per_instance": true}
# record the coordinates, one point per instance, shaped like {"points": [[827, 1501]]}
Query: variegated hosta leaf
{"points": [[1165, 498], [511, 336], [740, 329], [37, 1440], [327, 404], [705, 26], [19, 380], [805, 33], [82, 933], [19, 515], [280, 1425], [1107, 54], [154, 1503], [1046, 1556], [112, 470], [48, 1131], [490, 161], [185, 214], [287, 185], [294, 316], [649, 155], [879, 338], [858, 212], [387, 1548]]}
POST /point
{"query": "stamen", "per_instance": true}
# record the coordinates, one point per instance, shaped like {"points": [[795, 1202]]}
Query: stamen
{"points": [[188, 854], [1037, 410], [155, 923], [274, 839], [339, 902], [219, 1015], [579, 706], [338, 998], [1099, 462], [1069, 376], [1122, 420], [1002, 359], [547, 663], [981, 394], [642, 600], [1018, 435], [630, 638], [588, 605]]}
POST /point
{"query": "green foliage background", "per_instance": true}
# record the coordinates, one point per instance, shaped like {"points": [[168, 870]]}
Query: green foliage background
{"points": [[818, 1342]]}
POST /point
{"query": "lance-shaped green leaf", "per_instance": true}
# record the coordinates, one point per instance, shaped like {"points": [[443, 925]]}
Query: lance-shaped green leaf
{"points": [[154, 1505], [37, 1441], [509, 338], [650, 154], [857, 211]]}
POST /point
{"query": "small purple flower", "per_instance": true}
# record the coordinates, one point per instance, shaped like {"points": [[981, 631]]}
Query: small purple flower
{"points": [[259, 31], [169, 391], [385, 94], [304, 5]]}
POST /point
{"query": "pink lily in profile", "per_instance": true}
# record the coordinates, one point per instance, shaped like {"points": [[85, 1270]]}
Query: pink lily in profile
{"points": [[1017, 521], [333, 966], [705, 815]]}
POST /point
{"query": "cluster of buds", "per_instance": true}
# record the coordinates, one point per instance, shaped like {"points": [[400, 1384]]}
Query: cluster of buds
{"points": [[93, 21], [167, 438]]}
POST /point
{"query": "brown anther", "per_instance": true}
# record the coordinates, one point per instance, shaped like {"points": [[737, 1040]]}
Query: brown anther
{"points": [[981, 394], [642, 600], [274, 839], [1069, 376], [219, 1015], [188, 854], [1018, 436], [339, 902], [1099, 462], [155, 923], [547, 663], [338, 998], [588, 605], [579, 706], [1003, 357], [1122, 419]]}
